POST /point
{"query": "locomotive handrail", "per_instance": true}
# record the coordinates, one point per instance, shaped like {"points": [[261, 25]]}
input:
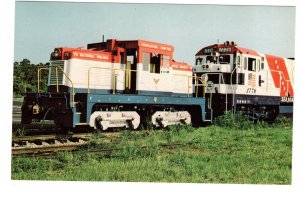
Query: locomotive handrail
{"points": [[233, 90], [115, 75], [73, 92], [197, 85], [226, 95], [126, 70], [56, 66], [204, 85], [56, 74], [39, 76], [196, 81]]}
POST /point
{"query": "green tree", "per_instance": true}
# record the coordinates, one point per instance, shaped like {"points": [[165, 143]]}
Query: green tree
{"points": [[25, 77]]}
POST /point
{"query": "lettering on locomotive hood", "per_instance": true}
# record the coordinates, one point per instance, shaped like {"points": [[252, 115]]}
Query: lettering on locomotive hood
{"points": [[154, 46], [209, 50], [220, 50], [89, 55], [225, 50]]}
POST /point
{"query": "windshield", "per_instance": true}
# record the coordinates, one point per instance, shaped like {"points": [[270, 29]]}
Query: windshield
{"points": [[222, 59], [211, 59], [215, 78]]}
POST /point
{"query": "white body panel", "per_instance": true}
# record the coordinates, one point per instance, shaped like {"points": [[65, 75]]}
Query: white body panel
{"points": [[251, 84], [158, 82], [100, 76], [181, 81]]}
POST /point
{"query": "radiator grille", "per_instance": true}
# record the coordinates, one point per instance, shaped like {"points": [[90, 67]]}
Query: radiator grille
{"points": [[52, 74]]}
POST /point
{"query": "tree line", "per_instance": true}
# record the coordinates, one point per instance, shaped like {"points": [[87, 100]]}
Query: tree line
{"points": [[25, 78]]}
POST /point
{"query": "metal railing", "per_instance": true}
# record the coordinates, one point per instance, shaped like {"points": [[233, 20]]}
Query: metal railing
{"points": [[115, 76], [39, 76], [40, 68], [128, 78]]}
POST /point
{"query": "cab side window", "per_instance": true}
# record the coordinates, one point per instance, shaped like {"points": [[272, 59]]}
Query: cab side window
{"points": [[251, 64], [146, 61], [155, 63]]}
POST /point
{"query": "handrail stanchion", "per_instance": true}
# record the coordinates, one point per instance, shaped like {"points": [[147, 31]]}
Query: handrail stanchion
{"points": [[115, 82], [89, 80], [114, 75], [188, 86], [197, 86], [73, 92], [204, 88], [38, 76], [56, 73]]}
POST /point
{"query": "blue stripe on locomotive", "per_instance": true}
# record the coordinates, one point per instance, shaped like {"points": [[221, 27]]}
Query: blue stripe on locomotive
{"points": [[92, 99]]}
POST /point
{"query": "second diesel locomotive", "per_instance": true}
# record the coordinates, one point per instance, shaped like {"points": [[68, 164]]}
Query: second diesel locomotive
{"points": [[136, 82], [241, 79]]}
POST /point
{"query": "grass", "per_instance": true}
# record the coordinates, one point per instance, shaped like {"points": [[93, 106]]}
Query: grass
{"points": [[259, 154]]}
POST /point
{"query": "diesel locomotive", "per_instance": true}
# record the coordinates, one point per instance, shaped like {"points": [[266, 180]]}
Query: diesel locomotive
{"points": [[240, 79], [116, 84]]}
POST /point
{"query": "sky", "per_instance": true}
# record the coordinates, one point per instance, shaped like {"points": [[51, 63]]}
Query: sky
{"points": [[42, 26]]}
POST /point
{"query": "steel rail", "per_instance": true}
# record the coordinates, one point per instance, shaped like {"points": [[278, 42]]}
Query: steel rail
{"points": [[51, 136]]}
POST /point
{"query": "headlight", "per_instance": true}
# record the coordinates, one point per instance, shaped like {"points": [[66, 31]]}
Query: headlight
{"points": [[205, 66], [56, 53]]}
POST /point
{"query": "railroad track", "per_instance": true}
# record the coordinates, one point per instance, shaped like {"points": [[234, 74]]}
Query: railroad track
{"points": [[52, 143], [47, 143]]}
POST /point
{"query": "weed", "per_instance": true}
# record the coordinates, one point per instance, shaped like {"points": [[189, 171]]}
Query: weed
{"points": [[260, 154], [20, 132], [283, 121], [234, 121], [96, 141]]}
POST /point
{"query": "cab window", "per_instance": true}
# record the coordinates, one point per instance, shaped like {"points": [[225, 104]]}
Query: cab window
{"points": [[146, 61], [166, 61], [251, 64], [155, 63], [224, 59], [199, 61]]}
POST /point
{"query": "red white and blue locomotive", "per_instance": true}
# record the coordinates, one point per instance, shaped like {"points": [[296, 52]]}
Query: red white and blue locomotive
{"points": [[132, 83], [116, 84]]}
